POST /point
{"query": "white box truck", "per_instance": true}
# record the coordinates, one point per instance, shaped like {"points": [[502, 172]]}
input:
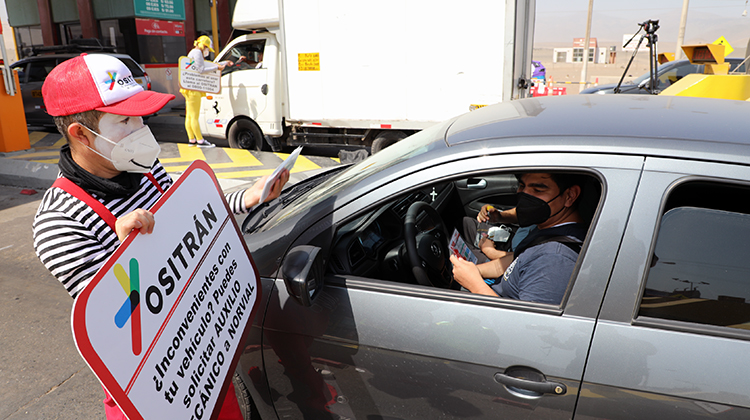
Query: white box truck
{"points": [[364, 74]]}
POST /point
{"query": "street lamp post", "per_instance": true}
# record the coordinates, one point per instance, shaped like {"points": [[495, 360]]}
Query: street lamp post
{"points": [[584, 72], [681, 33]]}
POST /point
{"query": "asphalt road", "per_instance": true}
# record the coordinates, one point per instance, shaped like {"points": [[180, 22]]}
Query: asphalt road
{"points": [[42, 376]]}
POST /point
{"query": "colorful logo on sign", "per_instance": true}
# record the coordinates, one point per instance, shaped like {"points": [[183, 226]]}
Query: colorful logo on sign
{"points": [[130, 309]]}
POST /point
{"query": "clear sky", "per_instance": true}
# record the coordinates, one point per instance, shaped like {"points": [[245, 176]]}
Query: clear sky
{"points": [[560, 21]]}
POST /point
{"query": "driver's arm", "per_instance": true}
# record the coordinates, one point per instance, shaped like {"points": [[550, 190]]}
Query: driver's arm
{"points": [[490, 214], [495, 268], [487, 246]]}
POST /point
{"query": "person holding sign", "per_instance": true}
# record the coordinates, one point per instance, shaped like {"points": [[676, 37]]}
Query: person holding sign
{"points": [[203, 45], [109, 173]]}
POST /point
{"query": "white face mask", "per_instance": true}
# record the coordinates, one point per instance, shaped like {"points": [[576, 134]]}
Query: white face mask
{"points": [[136, 152], [205, 52]]}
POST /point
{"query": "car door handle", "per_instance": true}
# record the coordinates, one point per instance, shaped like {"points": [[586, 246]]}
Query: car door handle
{"points": [[476, 184], [544, 387]]}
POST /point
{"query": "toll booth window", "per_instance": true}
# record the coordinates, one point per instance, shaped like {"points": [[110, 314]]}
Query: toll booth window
{"points": [[247, 55], [699, 271]]}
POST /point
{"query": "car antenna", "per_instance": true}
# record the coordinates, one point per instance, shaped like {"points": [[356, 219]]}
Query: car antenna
{"points": [[649, 27]]}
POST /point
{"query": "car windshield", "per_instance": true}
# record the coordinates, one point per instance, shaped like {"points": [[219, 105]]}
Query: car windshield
{"points": [[414, 145], [659, 70]]}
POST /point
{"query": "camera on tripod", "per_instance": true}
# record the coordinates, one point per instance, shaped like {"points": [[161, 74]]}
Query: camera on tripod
{"points": [[650, 26]]}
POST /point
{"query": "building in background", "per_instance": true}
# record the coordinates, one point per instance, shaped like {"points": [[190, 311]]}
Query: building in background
{"points": [[574, 54], [154, 32]]}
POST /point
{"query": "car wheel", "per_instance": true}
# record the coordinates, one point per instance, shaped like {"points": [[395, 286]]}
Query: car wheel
{"points": [[247, 407], [385, 139], [245, 134]]}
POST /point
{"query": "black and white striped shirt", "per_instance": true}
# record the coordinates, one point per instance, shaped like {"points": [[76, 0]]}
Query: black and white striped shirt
{"points": [[73, 241]]}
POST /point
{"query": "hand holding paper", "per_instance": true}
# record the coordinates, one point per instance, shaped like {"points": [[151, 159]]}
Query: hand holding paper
{"points": [[269, 187], [287, 164]]}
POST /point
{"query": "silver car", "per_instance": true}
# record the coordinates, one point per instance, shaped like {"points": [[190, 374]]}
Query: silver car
{"points": [[32, 71], [655, 322]]}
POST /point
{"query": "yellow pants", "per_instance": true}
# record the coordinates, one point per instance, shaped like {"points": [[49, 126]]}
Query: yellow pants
{"points": [[192, 111]]}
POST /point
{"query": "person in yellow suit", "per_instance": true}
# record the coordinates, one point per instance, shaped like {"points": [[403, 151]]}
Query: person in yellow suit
{"points": [[203, 45]]}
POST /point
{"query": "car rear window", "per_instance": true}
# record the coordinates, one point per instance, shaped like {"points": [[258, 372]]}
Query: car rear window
{"points": [[134, 68], [700, 272]]}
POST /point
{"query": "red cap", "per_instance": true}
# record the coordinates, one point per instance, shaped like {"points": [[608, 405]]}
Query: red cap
{"points": [[98, 82]]}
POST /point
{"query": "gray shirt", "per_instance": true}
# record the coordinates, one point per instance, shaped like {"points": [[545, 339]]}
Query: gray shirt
{"points": [[540, 274]]}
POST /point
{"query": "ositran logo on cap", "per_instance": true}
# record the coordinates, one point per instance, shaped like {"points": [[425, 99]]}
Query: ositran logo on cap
{"points": [[111, 80]]}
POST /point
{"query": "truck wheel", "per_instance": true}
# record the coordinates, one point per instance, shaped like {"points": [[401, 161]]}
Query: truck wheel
{"points": [[385, 139], [247, 408], [244, 134]]}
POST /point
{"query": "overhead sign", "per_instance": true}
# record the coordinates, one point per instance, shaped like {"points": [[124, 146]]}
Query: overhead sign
{"points": [[162, 321], [727, 47], [160, 9], [192, 79]]}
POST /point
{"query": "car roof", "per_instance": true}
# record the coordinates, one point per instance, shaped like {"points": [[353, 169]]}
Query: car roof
{"points": [[652, 125]]}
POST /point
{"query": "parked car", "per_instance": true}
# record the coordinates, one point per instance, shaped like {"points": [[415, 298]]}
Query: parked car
{"points": [[32, 71], [666, 74], [655, 322]]}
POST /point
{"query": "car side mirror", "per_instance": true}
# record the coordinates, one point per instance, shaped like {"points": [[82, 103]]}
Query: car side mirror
{"points": [[302, 271]]}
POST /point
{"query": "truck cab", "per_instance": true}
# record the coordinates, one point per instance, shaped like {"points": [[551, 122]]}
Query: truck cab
{"points": [[246, 110]]}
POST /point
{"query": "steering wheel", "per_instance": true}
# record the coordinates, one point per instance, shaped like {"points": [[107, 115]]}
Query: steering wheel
{"points": [[427, 251]]}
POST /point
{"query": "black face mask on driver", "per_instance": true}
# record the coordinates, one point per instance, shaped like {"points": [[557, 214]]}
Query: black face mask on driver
{"points": [[533, 210]]}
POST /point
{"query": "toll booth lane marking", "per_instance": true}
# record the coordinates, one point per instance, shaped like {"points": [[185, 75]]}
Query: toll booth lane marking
{"points": [[302, 164], [35, 136], [242, 157], [185, 153], [176, 157]]}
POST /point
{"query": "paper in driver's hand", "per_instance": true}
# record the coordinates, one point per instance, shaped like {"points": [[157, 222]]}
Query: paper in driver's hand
{"points": [[288, 164]]}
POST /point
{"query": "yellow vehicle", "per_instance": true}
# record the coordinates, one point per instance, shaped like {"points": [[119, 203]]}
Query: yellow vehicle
{"points": [[716, 82]]}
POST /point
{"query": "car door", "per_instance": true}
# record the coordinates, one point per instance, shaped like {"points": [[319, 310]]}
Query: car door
{"points": [[497, 190], [673, 332], [375, 349]]}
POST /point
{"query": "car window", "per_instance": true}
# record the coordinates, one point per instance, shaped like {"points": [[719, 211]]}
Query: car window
{"points": [[700, 272], [134, 68], [733, 66], [39, 69], [252, 52], [374, 243], [676, 73], [21, 70]]}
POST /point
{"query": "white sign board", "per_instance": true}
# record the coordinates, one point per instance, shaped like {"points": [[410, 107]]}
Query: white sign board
{"points": [[192, 79], [162, 321], [634, 43]]}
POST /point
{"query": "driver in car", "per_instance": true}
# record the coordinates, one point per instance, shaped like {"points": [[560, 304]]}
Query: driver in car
{"points": [[543, 262]]}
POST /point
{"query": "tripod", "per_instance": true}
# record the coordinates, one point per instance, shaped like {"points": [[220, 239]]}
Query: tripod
{"points": [[649, 27]]}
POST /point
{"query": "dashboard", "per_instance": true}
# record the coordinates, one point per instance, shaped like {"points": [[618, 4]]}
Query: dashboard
{"points": [[372, 244]]}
